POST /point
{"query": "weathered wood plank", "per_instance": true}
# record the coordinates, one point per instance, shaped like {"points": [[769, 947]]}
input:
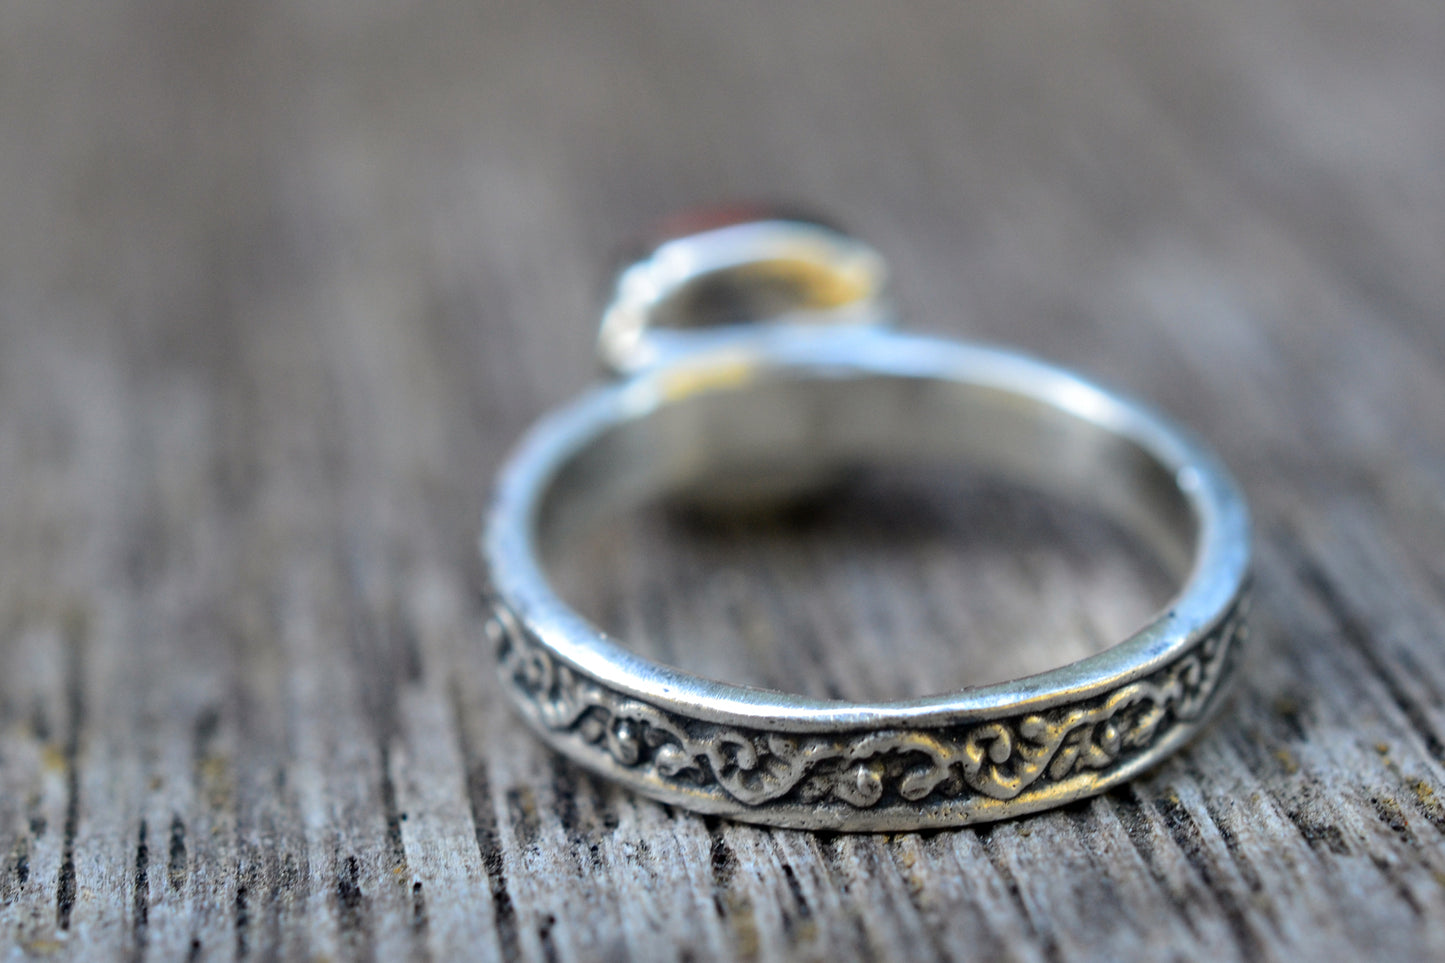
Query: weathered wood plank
{"points": [[280, 284]]}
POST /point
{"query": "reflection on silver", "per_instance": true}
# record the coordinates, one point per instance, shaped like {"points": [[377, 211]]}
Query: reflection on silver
{"points": [[756, 361]]}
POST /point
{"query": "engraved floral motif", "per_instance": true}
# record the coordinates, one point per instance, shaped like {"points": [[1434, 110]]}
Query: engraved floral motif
{"points": [[999, 759]]}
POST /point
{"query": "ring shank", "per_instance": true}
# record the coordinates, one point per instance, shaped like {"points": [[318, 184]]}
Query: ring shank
{"points": [[784, 414]]}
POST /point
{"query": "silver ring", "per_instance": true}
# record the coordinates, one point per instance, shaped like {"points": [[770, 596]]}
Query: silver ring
{"points": [[797, 378]]}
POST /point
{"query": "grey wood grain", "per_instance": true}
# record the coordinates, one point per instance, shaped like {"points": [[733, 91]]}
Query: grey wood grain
{"points": [[279, 284]]}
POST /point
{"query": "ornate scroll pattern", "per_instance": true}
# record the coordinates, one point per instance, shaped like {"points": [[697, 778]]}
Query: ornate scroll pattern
{"points": [[999, 759]]}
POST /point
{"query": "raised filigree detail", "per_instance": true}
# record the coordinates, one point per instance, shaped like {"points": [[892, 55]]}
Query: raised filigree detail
{"points": [[999, 759]]}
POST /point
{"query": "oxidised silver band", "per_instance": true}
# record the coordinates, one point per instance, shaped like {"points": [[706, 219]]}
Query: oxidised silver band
{"points": [[779, 407]]}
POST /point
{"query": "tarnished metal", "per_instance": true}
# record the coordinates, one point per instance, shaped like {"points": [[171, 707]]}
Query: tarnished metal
{"points": [[758, 403]]}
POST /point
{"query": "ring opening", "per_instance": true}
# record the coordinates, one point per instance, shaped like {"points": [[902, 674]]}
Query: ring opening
{"points": [[892, 584], [790, 437]]}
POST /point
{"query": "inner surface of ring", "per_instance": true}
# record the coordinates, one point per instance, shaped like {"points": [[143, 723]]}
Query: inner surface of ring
{"points": [[760, 435]]}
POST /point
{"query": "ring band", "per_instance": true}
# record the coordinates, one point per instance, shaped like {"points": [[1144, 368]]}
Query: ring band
{"points": [[779, 408]]}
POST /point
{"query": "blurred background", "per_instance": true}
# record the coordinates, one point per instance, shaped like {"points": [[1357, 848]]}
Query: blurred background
{"points": [[280, 283], [1219, 206]]}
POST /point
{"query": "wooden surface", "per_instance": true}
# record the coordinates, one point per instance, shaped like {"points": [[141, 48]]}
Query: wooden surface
{"points": [[280, 282]]}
